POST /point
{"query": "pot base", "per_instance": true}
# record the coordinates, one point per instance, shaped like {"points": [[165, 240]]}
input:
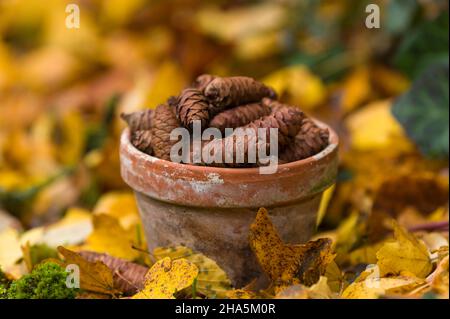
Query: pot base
{"points": [[222, 233]]}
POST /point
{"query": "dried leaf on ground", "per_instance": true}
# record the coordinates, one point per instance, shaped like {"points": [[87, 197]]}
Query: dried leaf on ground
{"points": [[10, 250], [372, 286], [72, 229], [212, 281], [405, 254], [94, 276], [128, 277], [240, 294], [287, 264], [110, 237], [374, 127], [166, 277], [440, 279], [319, 290], [120, 205], [298, 86]]}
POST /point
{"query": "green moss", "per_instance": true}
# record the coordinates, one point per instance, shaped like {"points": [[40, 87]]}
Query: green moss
{"points": [[4, 284], [46, 281], [40, 252]]}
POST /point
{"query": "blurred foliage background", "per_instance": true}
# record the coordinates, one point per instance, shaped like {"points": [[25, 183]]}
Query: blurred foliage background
{"points": [[384, 90]]}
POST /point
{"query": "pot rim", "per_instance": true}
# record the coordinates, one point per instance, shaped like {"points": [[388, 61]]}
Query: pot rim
{"points": [[206, 186], [333, 142]]}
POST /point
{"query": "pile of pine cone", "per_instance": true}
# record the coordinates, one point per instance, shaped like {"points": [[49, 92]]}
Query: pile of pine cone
{"points": [[227, 102]]}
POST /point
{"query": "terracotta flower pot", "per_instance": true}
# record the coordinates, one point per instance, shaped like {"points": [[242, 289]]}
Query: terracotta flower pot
{"points": [[210, 209]]}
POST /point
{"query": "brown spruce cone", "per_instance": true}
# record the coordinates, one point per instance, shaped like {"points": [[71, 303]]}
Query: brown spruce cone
{"points": [[128, 277], [141, 120], [229, 148], [233, 91], [275, 105], [192, 106], [165, 121], [239, 116], [142, 140], [287, 120], [202, 81], [309, 141]]}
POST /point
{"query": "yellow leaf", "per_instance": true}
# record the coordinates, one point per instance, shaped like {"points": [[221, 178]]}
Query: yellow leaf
{"points": [[364, 255], [10, 250], [12, 180], [26, 253], [94, 276], [440, 278], [167, 277], [391, 82], [111, 238], [319, 290], [168, 81], [7, 76], [374, 127], [259, 46], [240, 294], [406, 253], [273, 256], [434, 241], [118, 12], [335, 278], [356, 89], [71, 129], [120, 205], [238, 24], [346, 234], [286, 263], [212, 281], [373, 287], [49, 67], [298, 86], [73, 229], [324, 202]]}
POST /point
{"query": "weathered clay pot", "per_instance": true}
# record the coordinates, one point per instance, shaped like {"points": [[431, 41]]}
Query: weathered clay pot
{"points": [[210, 209]]}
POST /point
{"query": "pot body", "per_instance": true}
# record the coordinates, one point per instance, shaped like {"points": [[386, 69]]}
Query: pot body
{"points": [[210, 209]]}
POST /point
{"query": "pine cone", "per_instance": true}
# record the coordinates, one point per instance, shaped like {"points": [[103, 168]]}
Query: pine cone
{"points": [[192, 106], [141, 120], [238, 90], [309, 141], [142, 140], [288, 120], [275, 105], [202, 81], [230, 147], [239, 116], [165, 121]]}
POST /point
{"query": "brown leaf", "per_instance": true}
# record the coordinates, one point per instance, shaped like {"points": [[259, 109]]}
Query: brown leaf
{"points": [[94, 276], [128, 277], [286, 264]]}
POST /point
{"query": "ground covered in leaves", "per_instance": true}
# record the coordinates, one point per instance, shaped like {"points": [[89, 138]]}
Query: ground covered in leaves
{"points": [[382, 229]]}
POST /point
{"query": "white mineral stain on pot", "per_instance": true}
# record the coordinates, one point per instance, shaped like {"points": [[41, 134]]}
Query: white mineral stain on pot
{"points": [[204, 187], [126, 162], [325, 152], [215, 178]]}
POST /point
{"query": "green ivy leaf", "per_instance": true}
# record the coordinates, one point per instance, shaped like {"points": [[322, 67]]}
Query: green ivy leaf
{"points": [[423, 111], [400, 14], [422, 46]]}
